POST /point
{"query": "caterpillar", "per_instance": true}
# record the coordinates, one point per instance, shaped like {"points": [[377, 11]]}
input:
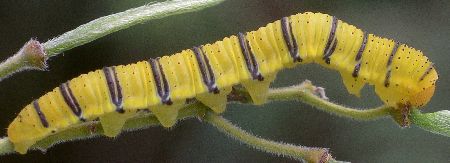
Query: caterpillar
{"points": [[402, 76]]}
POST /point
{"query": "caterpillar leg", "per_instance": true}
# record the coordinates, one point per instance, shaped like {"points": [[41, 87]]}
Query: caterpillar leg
{"points": [[258, 89], [167, 114], [217, 102], [112, 123], [23, 147], [353, 84]]}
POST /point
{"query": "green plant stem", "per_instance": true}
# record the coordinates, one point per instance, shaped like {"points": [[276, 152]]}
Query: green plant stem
{"points": [[6, 147], [96, 29], [108, 24], [437, 122], [299, 93], [30, 56], [297, 152]]}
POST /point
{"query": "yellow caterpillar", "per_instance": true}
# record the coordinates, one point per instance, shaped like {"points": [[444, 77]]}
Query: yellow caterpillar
{"points": [[402, 76]]}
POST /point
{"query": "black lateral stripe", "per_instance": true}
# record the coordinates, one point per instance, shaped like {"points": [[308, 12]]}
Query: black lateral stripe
{"points": [[249, 57], [162, 85], [70, 100], [289, 39], [388, 76], [393, 52], [333, 48], [119, 91], [205, 69], [332, 34], [166, 98], [363, 46], [359, 55], [356, 70], [427, 72], [389, 63], [214, 88], [115, 90], [332, 41], [242, 43], [201, 66], [40, 114], [156, 76]]}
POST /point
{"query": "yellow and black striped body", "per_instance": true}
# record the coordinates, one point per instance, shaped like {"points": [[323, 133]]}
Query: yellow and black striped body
{"points": [[401, 76]]}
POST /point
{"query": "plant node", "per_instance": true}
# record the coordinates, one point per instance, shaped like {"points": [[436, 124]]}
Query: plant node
{"points": [[31, 56]]}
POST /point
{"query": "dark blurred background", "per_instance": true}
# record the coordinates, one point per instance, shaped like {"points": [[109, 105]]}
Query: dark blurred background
{"points": [[421, 24]]}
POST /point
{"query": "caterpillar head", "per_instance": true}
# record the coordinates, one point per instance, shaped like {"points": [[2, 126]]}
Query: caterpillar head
{"points": [[413, 91], [423, 97]]}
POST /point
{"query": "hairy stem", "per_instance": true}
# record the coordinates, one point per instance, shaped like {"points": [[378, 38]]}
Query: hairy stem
{"points": [[297, 152], [35, 57], [437, 122], [30, 56], [307, 96]]}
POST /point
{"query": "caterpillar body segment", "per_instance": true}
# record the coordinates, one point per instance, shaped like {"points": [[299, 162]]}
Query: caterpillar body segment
{"points": [[402, 76], [65, 106]]}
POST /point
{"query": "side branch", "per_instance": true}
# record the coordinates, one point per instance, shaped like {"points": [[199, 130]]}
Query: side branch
{"points": [[310, 94], [297, 152]]}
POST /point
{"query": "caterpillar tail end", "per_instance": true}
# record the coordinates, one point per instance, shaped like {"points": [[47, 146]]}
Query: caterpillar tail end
{"points": [[24, 136], [112, 123]]}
